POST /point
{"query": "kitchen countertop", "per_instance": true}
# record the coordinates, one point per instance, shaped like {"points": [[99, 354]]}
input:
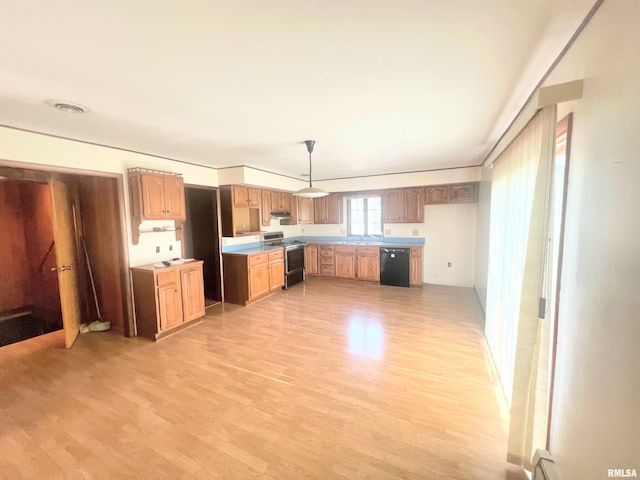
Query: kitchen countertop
{"points": [[252, 250]]}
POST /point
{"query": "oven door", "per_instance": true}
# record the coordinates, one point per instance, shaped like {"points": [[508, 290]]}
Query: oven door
{"points": [[295, 259]]}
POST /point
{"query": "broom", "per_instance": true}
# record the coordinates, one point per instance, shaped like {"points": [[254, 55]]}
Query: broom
{"points": [[99, 325]]}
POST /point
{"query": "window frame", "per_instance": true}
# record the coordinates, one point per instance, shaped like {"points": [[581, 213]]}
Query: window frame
{"points": [[365, 214]]}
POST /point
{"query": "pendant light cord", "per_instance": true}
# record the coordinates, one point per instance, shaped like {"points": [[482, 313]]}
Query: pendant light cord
{"points": [[310, 184]]}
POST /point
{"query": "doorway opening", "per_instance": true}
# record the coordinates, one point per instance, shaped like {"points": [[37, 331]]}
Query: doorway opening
{"points": [[201, 238], [35, 300]]}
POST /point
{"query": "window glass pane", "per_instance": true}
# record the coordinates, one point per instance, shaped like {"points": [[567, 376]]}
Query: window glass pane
{"points": [[374, 216], [357, 226]]}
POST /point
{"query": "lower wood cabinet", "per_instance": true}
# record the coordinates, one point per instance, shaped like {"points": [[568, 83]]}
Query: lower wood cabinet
{"points": [[167, 298], [311, 259], [368, 262], [248, 278], [415, 266], [345, 261]]}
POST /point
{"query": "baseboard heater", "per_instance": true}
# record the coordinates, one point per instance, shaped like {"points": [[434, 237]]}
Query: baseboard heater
{"points": [[544, 467]]}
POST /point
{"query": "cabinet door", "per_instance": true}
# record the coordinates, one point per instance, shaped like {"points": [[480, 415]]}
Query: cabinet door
{"points": [[258, 280], [294, 210], [437, 195], [415, 266], [369, 268], [393, 206], [240, 196], [311, 259], [462, 193], [285, 202], [305, 210], [333, 208], [414, 205], [152, 196], [169, 307], [192, 284], [267, 195], [345, 265], [275, 201], [174, 198], [276, 274], [320, 210], [253, 197]]}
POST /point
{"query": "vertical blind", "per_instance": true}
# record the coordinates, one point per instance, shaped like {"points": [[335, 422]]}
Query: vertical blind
{"points": [[518, 232]]}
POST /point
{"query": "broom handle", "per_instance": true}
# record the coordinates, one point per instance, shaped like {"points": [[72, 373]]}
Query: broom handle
{"points": [[93, 284]]}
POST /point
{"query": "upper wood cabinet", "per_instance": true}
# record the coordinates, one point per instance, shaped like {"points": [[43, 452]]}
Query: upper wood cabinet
{"points": [[403, 205], [244, 196], [265, 207], [327, 209], [305, 210], [239, 219], [437, 194], [454, 193], [155, 196], [280, 201], [463, 193]]}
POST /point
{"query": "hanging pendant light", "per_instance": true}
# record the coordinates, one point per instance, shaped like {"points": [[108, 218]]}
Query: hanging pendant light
{"points": [[310, 191]]}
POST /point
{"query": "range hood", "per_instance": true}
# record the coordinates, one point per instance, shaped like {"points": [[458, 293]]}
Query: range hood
{"points": [[281, 215]]}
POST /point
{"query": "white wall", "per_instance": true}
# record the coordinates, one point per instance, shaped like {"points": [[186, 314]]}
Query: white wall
{"points": [[481, 273], [596, 403], [43, 150]]}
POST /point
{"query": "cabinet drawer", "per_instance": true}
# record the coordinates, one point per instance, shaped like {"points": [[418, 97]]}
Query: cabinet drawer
{"points": [[167, 278], [326, 260], [416, 251], [276, 255], [257, 259], [346, 249], [326, 253], [368, 250], [327, 270]]}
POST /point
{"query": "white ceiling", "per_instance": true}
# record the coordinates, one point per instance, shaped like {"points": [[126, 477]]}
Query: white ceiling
{"points": [[382, 86]]}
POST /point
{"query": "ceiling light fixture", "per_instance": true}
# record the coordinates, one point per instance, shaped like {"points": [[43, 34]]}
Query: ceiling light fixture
{"points": [[310, 191], [68, 107]]}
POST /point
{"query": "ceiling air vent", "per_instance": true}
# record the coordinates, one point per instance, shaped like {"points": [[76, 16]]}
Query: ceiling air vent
{"points": [[68, 107]]}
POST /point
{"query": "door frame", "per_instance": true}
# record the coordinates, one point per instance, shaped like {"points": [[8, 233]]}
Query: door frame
{"points": [[43, 172]]}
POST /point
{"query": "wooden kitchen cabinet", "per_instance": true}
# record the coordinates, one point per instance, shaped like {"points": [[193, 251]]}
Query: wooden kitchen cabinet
{"points": [[415, 266], [168, 298], [238, 217], [248, 278], [345, 261], [327, 209], [403, 205], [305, 211], [265, 207], [326, 260], [276, 270], [311, 260], [463, 193], [155, 196], [244, 196], [437, 195], [368, 263]]}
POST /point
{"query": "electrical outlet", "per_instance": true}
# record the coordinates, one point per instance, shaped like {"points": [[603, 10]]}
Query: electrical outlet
{"points": [[170, 247], [416, 232], [448, 264], [157, 249], [302, 230]]}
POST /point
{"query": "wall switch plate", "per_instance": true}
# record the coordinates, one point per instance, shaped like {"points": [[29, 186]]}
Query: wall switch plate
{"points": [[416, 232], [157, 249]]}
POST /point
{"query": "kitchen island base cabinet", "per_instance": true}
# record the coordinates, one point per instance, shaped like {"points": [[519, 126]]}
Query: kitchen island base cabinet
{"points": [[167, 299], [248, 278]]}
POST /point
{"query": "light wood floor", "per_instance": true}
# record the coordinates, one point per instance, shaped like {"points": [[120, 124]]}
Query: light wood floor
{"points": [[329, 380]]}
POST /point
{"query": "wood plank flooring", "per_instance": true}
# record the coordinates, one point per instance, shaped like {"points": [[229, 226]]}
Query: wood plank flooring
{"points": [[329, 380]]}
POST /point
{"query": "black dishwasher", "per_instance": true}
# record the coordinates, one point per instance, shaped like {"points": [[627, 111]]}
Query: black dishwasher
{"points": [[394, 266]]}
